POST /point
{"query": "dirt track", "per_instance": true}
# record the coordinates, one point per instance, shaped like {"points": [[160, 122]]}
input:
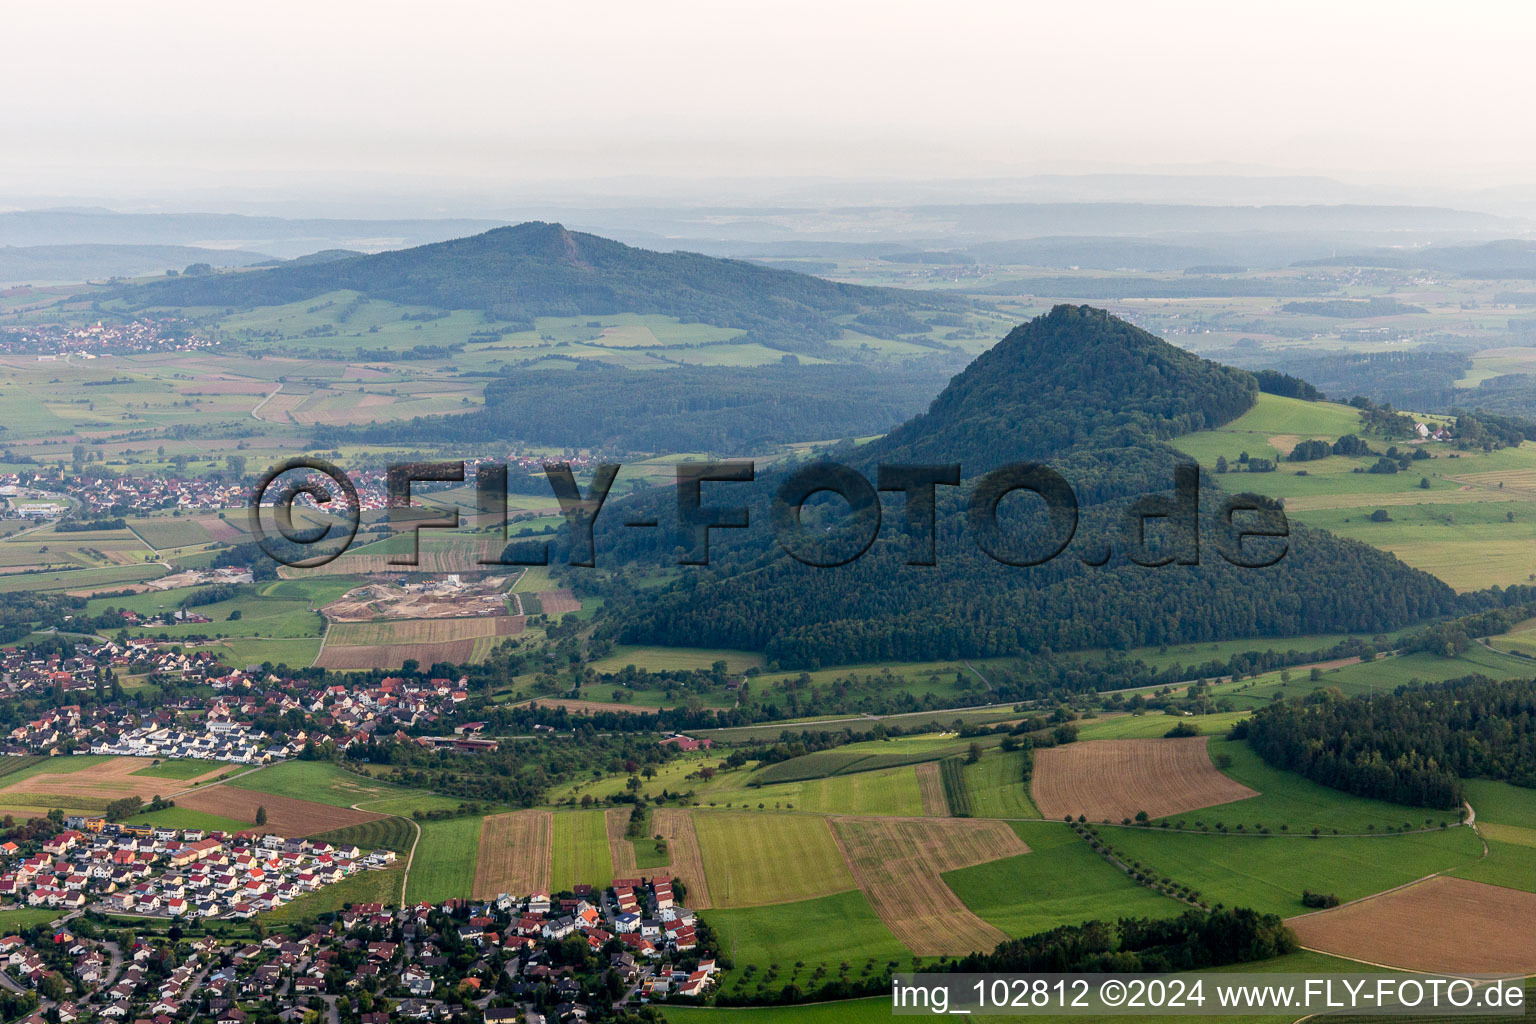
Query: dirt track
{"points": [[285, 815], [112, 780], [897, 862]]}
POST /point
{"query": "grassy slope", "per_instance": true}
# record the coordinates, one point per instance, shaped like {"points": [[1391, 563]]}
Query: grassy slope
{"points": [[1060, 881], [825, 931], [1269, 873], [580, 855], [445, 860], [997, 786]]}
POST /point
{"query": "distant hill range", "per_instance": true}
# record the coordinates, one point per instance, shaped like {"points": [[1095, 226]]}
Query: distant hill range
{"points": [[69, 264], [540, 269], [283, 237], [1513, 258]]}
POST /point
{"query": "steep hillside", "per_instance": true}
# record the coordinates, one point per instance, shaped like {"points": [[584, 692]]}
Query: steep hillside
{"points": [[1092, 397], [1068, 379], [537, 269]]}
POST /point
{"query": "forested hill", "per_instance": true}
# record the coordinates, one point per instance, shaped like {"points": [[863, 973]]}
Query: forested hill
{"points": [[538, 269], [1075, 377], [1092, 397]]}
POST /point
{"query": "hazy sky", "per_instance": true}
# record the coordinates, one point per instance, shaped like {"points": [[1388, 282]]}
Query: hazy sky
{"points": [[111, 97]]}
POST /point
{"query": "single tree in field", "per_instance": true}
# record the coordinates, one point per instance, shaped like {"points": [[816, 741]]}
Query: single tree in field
{"points": [[261, 815]]}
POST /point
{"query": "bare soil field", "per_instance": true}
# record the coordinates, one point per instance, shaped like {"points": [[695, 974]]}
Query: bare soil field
{"points": [[1116, 778], [1439, 925], [392, 656], [420, 631], [931, 787], [285, 815], [676, 827], [897, 863], [589, 707], [132, 588], [514, 854], [110, 780], [461, 558], [558, 602], [223, 530]]}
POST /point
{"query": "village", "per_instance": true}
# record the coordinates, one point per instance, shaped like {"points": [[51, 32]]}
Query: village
{"points": [[49, 341], [216, 727], [536, 959]]}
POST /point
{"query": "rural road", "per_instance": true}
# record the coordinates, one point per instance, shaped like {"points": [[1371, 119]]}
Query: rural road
{"points": [[263, 402]]}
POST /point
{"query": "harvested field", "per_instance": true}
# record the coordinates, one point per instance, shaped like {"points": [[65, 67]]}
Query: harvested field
{"points": [[514, 854], [1442, 925], [285, 815], [109, 780], [931, 787], [676, 827], [1116, 778], [392, 656], [558, 602], [420, 631], [462, 557], [590, 707], [621, 849], [898, 863]]}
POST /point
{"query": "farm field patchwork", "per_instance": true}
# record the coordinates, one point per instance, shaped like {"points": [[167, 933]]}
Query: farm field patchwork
{"points": [[1439, 925], [105, 779], [1116, 779], [285, 815], [898, 863], [732, 844], [392, 833], [320, 781]]}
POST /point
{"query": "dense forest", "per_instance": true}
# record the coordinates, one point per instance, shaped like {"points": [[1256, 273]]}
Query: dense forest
{"points": [[1414, 746], [1075, 377], [717, 409], [1091, 396], [518, 273]]}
